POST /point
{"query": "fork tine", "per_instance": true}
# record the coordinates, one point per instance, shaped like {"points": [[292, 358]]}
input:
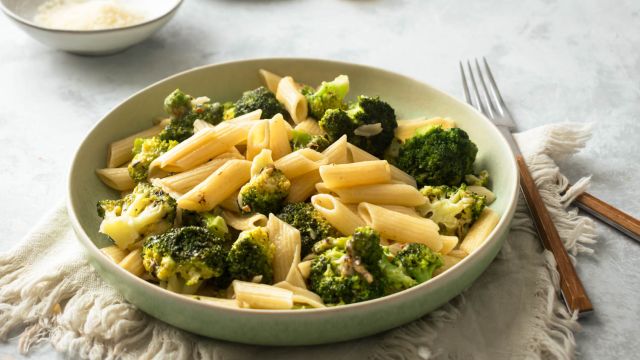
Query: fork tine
{"points": [[465, 87], [501, 106], [486, 96], [476, 95]]}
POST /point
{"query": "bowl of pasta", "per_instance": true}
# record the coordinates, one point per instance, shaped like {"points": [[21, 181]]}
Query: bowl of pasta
{"points": [[291, 201]]}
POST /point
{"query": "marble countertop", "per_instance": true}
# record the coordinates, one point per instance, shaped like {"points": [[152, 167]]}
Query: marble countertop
{"points": [[554, 61]]}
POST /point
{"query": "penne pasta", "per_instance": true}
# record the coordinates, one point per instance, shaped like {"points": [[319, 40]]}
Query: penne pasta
{"points": [[133, 263], [217, 187], [336, 213], [401, 227], [116, 178], [302, 295], [287, 242], [231, 203], [403, 210], [261, 296], [380, 194], [337, 176], [310, 126], [201, 125], [270, 80], [244, 222], [258, 139], [119, 152], [483, 191], [248, 117], [355, 154], [279, 137], [305, 268], [295, 103], [448, 244], [232, 303], [458, 253], [302, 187], [114, 253], [300, 162], [447, 263], [480, 230], [322, 188], [262, 160], [336, 153], [408, 128], [200, 148]]}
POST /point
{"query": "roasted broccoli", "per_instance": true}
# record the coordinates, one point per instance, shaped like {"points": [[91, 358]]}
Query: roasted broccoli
{"points": [[265, 192], [438, 156], [146, 211], [454, 209], [302, 140], [184, 110], [312, 226], [417, 261], [145, 150], [346, 270], [251, 255], [210, 220], [260, 98], [191, 253], [369, 123], [329, 95]]}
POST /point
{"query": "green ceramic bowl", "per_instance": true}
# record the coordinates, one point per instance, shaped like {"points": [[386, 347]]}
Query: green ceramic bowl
{"points": [[226, 81]]}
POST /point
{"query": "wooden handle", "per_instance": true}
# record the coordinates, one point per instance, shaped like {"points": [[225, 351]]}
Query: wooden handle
{"points": [[610, 215], [570, 284]]}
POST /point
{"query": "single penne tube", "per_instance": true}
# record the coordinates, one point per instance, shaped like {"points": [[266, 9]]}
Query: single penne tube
{"points": [[480, 230], [295, 103], [200, 125], [133, 262], [337, 176], [300, 162], [217, 187], [310, 126], [116, 178], [248, 117], [302, 187], [119, 152], [257, 139], [355, 154], [200, 148], [408, 128], [305, 268], [322, 188], [279, 137], [447, 263], [448, 243], [411, 211], [232, 303], [114, 253], [294, 276], [231, 203], [336, 153], [244, 222], [261, 296], [270, 80], [380, 194], [185, 181], [302, 295], [461, 254], [401, 227], [483, 191], [260, 161], [337, 213], [287, 242]]}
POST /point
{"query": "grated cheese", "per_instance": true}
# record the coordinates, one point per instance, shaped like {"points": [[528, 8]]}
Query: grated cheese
{"points": [[86, 15]]}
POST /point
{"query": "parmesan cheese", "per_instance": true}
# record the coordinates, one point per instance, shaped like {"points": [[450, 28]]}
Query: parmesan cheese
{"points": [[86, 15]]}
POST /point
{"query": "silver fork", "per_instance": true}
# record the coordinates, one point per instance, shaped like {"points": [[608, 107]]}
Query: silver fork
{"points": [[490, 103]]}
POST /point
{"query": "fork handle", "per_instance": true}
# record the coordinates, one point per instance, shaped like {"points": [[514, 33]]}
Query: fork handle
{"points": [[617, 219], [570, 284]]}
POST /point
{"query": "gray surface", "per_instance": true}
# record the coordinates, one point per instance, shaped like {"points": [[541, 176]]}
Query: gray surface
{"points": [[555, 61]]}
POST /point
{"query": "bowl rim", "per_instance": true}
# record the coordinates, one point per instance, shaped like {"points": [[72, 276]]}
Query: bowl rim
{"points": [[153, 289], [33, 25]]}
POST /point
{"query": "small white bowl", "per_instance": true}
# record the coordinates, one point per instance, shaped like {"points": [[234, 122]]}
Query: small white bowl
{"points": [[91, 42]]}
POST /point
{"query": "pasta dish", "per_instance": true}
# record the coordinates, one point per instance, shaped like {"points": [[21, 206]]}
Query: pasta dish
{"points": [[293, 197]]}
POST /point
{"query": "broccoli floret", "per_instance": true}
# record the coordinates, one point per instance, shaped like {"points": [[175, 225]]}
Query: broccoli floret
{"points": [[191, 253], [418, 261], [302, 140], [366, 111], [229, 110], [330, 95], [438, 156], [184, 110], [145, 150], [454, 209], [177, 104], [394, 277], [312, 226], [265, 193], [482, 179], [146, 211], [204, 109], [210, 220], [260, 98], [252, 255]]}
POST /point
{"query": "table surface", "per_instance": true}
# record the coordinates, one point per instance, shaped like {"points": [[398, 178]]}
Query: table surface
{"points": [[554, 61]]}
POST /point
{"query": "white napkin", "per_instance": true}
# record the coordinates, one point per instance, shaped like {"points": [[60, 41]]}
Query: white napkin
{"points": [[50, 292]]}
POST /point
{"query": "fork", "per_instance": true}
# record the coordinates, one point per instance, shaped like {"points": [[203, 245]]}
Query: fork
{"points": [[490, 103]]}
